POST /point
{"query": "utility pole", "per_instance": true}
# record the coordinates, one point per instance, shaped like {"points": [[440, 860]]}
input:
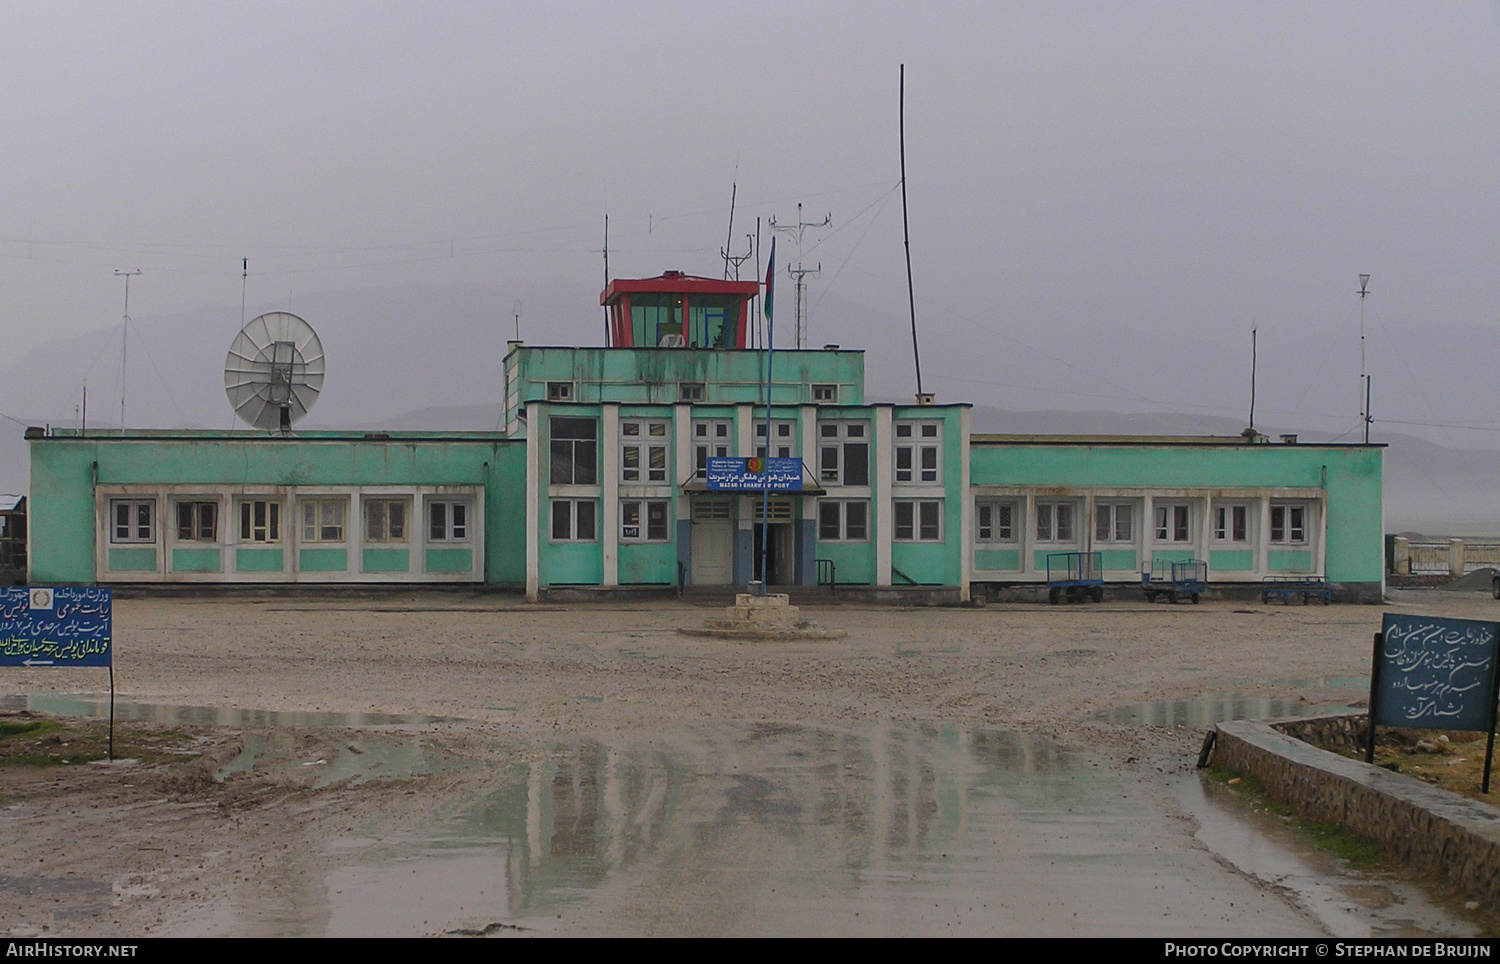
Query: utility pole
{"points": [[124, 338], [1364, 378], [799, 273]]}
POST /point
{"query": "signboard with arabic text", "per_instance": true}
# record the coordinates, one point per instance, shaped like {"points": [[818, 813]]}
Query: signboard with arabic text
{"points": [[68, 626], [1433, 673], [754, 475]]}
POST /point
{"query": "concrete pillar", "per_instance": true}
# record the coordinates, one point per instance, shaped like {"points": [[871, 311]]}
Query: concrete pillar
{"points": [[1455, 557], [1401, 554], [534, 498], [882, 515], [609, 507]]}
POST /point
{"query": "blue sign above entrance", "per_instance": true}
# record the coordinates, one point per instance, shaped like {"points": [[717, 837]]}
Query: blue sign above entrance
{"points": [[754, 475], [56, 627]]}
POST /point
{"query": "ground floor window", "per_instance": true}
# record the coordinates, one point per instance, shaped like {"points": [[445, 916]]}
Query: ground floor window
{"points": [[573, 520], [132, 520], [385, 520], [919, 520], [260, 520], [1172, 523], [323, 520], [1289, 524], [1114, 522], [643, 521], [197, 522], [1054, 522], [995, 522], [447, 521], [843, 520], [1232, 523]]}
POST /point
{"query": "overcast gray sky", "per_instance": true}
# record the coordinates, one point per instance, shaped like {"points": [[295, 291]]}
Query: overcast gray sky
{"points": [[1105, 197]]}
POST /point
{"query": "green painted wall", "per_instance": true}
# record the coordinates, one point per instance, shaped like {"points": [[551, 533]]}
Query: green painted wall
{"points": [[62, 513], [1351, 474], [854, 562], [196, 560], [928, 563], [126, 560], [1115, 560], [323, 560], [258, 560], [385, 560], [449, 560], [646, 563], [1289, 560], [1171, 555], [1231, 560], [1006, 560]]}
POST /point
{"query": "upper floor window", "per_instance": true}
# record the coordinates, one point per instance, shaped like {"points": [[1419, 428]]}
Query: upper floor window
{"points": [[711, 439], [844, 453], [643, 451], [919, 451], [825, 394], [1232, 523], [323, 520], [260, 520], [1114, 522], [1289, 524], [690, 391], [1172, 522], [447, 521], [132, 520], [1054, 522], [575, 451], [385, 520], [994, 521], [197, 522], [783, 435], [559, 391]]}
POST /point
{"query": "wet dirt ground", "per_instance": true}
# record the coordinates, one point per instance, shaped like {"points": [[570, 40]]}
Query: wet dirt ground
{"points": [[467, 764]]}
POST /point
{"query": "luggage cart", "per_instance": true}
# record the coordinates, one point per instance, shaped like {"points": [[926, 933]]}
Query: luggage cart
{"points": [[1175, 580], [1079, 575]]}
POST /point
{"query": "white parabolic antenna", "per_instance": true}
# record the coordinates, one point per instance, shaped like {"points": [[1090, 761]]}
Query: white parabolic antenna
{"points": [[274, 371]]}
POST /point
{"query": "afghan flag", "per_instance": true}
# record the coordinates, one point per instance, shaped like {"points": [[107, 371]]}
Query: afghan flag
{"points": [[770, 277]]}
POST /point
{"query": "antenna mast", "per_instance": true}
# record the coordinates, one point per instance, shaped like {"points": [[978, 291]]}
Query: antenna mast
{"points": [[1253, 334], [799, 273], [911, 299], [124, 338], [1364, 408]]}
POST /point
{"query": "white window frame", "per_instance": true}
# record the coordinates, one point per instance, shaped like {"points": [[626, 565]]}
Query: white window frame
{"points": [[449, 520], [328, 520], [375, 514], [1117, 521], [644, 456], [136, 532], [1229, 517], [918, 453], [1052, 516], [270, 529], [918, 527], [784, 431], [638, 516], [835, 439], [572, 517], [834, 515], [712, 438], [581, 471], [996, 521], [195, 523], [1173, 522], [825, 394], [1290, 533], [690, 391], [559, 391]]}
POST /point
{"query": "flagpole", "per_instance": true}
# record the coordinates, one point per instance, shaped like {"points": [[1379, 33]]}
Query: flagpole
{"points": [[765, 465]]}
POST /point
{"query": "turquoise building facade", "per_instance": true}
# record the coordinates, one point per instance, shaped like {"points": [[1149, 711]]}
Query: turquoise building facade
{"points": [[598, 480]]}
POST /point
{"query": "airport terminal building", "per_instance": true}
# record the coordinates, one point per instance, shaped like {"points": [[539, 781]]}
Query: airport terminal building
{"points": [[607, 474]]}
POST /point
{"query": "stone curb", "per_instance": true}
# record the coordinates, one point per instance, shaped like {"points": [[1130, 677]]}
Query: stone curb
{"points": [[1429, 828]]}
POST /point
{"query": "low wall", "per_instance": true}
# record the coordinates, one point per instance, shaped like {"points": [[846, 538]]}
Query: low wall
{"points": [[1428, 828]]}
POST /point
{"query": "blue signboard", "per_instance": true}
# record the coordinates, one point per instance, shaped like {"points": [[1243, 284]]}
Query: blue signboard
{"points": [[56, 627], [754, 475], [1435, 673]]}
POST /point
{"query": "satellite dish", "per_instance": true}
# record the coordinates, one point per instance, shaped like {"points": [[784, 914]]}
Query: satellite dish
{"points": [[274, 371]]}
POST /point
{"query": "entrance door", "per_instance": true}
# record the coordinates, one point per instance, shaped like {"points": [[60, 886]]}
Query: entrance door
{"points": [[713, 543]]}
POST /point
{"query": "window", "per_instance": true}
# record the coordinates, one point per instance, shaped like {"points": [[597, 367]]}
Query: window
{"points": [[690, 391], [1289, 524], [1232, 523], [644, 521], [826, 394], [919, 520], [643, 451], [995, 522], [559, 391], [447, 521], [1172, 523], [573, 520], [710, 440], [1114, 522], [260, 521], [919, 448], [323, 520], [843, 453], [385, 520], [197, 522], [843, 521], [575, 451], [132, 520], [785, 435], [1054, 522]]}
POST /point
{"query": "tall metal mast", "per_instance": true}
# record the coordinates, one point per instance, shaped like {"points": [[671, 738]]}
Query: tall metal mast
{"points": [[124, 338], [1364, 378], [799, 273]]}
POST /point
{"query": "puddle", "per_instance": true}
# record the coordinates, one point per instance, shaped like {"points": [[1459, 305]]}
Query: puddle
{"points": [[359, 761], [1347, 905], [1208, 712], [98, 706]]}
